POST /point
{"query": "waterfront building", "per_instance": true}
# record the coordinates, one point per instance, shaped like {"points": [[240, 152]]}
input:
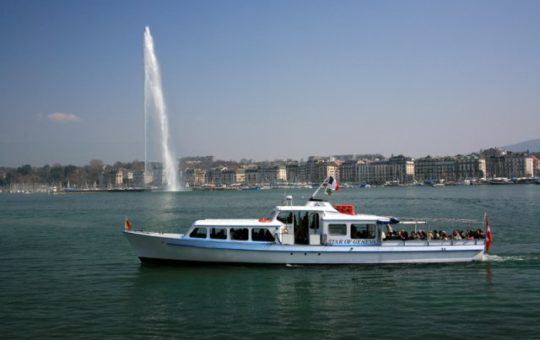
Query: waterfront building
{"points": [[155, 170], [396, 169], [296, 172], [224, 176], [110, 178], [118, 178], [213, 175], [536, 165], [469, 167], [402, 169], [434, 169], [251, 174], [274, 174], [508, 164], [232, 176], [348, 171], [312, 168], [127, 178], [139, 179], [228, 177], [345, 158], [194, 176], [450, 169], [198, 162], [326, 169], [359, 157]]}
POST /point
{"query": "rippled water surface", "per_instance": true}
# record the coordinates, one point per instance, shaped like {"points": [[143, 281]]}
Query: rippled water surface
{"points": [[67, 271]]}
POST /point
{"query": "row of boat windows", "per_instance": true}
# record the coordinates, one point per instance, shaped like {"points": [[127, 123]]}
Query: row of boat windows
{"points": [[238, 234], [357, 231]]}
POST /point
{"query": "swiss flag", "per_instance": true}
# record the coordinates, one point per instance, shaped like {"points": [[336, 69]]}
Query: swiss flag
{"points": [[489, 235]]}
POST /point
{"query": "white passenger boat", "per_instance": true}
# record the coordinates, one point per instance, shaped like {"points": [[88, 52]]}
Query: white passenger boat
{"points": [[315, 233]]}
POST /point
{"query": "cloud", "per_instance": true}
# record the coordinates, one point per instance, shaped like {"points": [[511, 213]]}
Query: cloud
{"points": [[63, 117]]}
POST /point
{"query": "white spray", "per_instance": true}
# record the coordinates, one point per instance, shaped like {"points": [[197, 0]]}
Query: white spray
{"points": [[154, 103]]}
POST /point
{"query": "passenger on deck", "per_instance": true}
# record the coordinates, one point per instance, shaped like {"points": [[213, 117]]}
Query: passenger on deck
{"points": [[480, 234], [403, 235], [444, 236]]}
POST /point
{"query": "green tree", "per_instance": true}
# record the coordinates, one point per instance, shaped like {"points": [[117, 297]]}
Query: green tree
{"points": [[25, 170], [57, 174]]}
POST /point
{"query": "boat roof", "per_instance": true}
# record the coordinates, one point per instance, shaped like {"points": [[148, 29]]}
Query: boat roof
{"points": [[305, 208], [359, 218], [331, 214], [311, 205], [237, 223]]}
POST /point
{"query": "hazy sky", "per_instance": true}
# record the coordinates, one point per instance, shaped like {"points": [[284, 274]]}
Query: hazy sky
{"points": [[268, 79]]}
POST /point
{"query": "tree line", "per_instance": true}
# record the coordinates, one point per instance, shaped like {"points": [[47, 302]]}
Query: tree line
{"points": [[61, 175]]}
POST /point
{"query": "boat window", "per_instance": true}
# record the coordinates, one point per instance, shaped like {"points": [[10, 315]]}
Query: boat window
{"points": [[261, 234], [362, 231], [198, 233], [301, 224], [240, 234], [285, 217], [337, 229], [313, 221], [218, 233]]}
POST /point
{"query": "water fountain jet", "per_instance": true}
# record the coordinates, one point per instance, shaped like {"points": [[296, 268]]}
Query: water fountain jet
{"points": [[154, 105]]}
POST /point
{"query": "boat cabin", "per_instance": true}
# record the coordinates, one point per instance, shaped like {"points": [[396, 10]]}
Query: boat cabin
{"points": [[316, 223], [320, 223]]}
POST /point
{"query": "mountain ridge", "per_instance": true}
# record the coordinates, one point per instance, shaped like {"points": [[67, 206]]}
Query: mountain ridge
{"points": [[532, 145]]}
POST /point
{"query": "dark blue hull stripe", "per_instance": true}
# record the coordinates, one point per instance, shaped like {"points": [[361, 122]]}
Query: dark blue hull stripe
{"points": [[447, 249]]}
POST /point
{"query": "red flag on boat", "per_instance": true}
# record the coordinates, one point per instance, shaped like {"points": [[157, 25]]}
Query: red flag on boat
{"points": [[331, 184], [489, 235]]}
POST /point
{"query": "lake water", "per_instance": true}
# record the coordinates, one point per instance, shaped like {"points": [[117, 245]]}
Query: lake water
{"points": [[66, 270]]}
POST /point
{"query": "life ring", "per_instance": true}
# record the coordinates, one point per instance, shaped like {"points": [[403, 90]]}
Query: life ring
{"points": [[264, 219]]}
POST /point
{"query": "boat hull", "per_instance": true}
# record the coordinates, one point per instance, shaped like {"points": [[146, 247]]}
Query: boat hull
{"points": [[158, 247]]}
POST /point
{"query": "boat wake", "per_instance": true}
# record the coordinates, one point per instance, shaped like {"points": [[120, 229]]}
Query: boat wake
{"points": [[513, 258], [288, 265]]}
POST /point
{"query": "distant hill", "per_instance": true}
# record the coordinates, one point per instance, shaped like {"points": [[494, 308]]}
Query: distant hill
{"points": [[532, 145]]}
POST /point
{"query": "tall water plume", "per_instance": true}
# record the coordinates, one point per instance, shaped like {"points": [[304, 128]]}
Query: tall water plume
{"points": [[154, 107]]}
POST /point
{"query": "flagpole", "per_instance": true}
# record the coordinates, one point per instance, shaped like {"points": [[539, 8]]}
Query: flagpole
{"points": [[316, 191], [485, 233], [489, 236]]}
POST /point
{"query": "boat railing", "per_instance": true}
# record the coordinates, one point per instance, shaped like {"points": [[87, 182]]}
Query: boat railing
{"points": [[443, 243]]}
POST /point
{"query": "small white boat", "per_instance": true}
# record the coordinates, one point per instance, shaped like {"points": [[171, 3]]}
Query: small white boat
{"points": [[315, 233]]}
